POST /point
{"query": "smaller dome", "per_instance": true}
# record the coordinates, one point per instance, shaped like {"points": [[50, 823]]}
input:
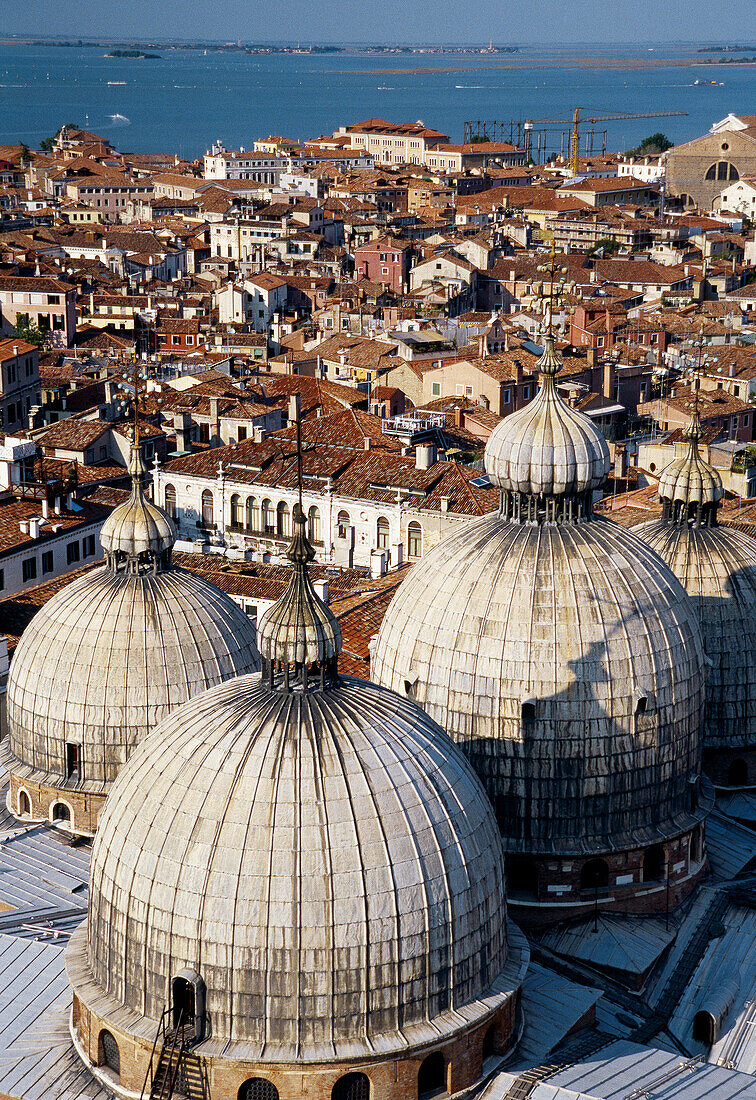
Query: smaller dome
{"points": [[547, 448], [138, 530], [689, 480], [299, 629]]}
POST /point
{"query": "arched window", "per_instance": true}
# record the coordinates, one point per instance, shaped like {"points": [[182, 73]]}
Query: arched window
{"points": [[704, 1028], [353, 1086], [283, 520], [653, 864], [342, 524], [236, 512], [594, 875], [108, 1053], [267, 517], [431, 1080], [415, 540], [257, 1088], [722, 170], [313, 524], [24, 806], [170, 501], [383, 533], [208, 509], [737, 774], [253, 514], [61, 812]]}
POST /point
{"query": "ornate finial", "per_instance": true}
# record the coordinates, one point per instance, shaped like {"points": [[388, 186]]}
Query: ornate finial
{"points": [[299, 636], [689, 488]]}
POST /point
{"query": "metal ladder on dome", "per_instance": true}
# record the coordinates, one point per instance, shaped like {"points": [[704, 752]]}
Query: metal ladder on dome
{"points": [[179, 1072]]}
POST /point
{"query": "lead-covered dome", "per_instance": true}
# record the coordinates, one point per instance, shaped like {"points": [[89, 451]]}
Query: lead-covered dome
{"points": [[107, 658], [327, 862], [546, 448], [318, 852], [567, 661]]}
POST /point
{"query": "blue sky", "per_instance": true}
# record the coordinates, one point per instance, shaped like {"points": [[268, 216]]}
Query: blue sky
{"points": [[531, 21]]}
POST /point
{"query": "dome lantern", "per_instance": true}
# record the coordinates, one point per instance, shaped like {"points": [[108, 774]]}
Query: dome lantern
{"points": [[547, 458], [137, 536], [691, 489], [299, 634]]}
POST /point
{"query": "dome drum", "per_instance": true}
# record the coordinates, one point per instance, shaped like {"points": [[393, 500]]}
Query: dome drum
{"points": [[543, 890], [475, 1049]]}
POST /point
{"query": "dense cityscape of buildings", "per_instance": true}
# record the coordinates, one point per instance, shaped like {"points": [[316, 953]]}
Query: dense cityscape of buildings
{"points": [[377, 620]]}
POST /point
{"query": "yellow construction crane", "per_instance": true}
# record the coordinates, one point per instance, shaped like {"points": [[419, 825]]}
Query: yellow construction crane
{"points": [[578, 119]]}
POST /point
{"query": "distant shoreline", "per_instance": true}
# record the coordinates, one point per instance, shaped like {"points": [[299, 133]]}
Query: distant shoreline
{"points": [[610, 63]]}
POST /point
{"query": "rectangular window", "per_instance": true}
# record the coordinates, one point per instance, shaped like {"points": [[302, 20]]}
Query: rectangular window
{"points": [[48, 563], [73, 760], [29, 569], [526, 393], [175, 339], [242, 432], [89, 546], [436, 389], [72, 552], [2, 579], [506, 397]]}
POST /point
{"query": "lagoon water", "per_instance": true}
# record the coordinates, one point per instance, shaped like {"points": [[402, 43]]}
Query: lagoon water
{"points": [[187, 99]]}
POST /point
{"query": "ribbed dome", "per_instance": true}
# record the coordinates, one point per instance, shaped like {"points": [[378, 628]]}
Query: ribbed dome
{"points": [[107, 658], [547, 448], [689, 480], [566, 659], [717, 566], [326, 860]]}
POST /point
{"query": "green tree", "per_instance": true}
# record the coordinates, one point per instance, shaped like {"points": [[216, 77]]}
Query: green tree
{"points": [[28, 330], [651, 146]]}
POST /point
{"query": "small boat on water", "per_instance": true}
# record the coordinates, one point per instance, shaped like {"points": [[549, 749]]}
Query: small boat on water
{"points": [[116, 83]]}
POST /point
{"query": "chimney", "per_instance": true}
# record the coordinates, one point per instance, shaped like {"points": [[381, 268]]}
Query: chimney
{"points": [[444, 504], [293, 408], [34, 527], [608, 379], [733, 370], [182, 423], [321, 588], [45, 508], [214, 417], [15, 350], [425, 456]]}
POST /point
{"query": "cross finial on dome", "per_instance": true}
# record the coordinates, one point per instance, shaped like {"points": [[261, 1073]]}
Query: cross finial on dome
{"points": [[300, 631]]}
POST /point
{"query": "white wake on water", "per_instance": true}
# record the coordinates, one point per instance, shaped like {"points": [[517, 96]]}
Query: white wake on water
{"points": [[119, 120]]}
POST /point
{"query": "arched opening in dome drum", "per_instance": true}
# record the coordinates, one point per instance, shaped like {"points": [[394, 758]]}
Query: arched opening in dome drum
{"points": [[431, 1080], [594, 875], [653, 864], [489, 1043], [188, 1002], [257, 1088], [522, 876], [61, 812], [24, 806], [737, 774], [108, 1053], [354, 1086], [704, 1028]]}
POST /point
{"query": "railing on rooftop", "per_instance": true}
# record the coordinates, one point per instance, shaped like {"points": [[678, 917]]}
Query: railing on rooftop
{"points": [[410, 424]]}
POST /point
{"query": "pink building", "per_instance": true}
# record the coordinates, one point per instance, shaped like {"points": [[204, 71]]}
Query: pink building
{"points": [[385, 260]]}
